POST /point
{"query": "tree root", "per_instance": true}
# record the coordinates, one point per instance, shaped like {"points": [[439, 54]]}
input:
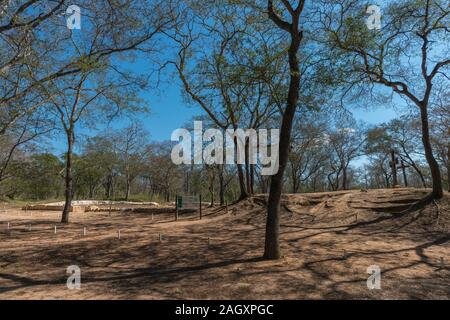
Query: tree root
{"points": [[420, 204], [438, 213]]}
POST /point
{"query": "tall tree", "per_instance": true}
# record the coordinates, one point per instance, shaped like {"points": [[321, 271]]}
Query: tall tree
{"points": [[408, 55], [308, 152], [102, 81], [229, 64], [345, 144], [440, 119], [293, 28], [130, 143]]}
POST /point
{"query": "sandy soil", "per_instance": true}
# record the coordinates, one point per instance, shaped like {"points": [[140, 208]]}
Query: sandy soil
{"points": [[328, 241]]}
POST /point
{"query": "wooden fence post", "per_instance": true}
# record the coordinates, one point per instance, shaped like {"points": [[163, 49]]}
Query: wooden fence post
{"points": [[176, 207], [200, 206]]}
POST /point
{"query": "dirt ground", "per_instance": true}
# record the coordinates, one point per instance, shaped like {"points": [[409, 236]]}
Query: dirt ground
{"points": [[328, 241]]}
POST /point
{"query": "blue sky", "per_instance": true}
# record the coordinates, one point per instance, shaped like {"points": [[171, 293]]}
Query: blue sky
{"points": [[375, 116], [169, 112]]}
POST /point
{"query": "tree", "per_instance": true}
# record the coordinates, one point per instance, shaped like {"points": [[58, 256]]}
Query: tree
{"points": [[345, 144], [37, 48], [405, 138], [78, 99], [18, 135], [293, 28], [165, 177], [90, 169], [416, 29], [132, 150], [229, 65], [378, 171], [402, 136], [440, 120], [38, 177], [99, 153], [25, 50], [101, 82], [206, 84], [308, 152]]}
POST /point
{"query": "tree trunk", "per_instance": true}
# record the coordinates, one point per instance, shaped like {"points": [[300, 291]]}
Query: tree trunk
{"points": [[91, 192], [314, 184], [405, 178], [294, 180], [243, 193], [247, 167], [242, 186], [420, 174], [212, 197], [434, 166], [252, 178], [448, 176], [388, 185], [344, 178], [187, 183], [336, 182], [448, 168], [128, 188], [412, 163], [221, 186], [68, 178], [108, 186], [394, 169], [272, 241], [211, 187]]}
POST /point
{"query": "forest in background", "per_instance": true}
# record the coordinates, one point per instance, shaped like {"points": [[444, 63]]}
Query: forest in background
{"points": [[126, 165]]}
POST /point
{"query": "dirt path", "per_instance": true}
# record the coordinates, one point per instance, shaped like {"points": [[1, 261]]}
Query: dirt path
{"points": [[327, 243]]}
